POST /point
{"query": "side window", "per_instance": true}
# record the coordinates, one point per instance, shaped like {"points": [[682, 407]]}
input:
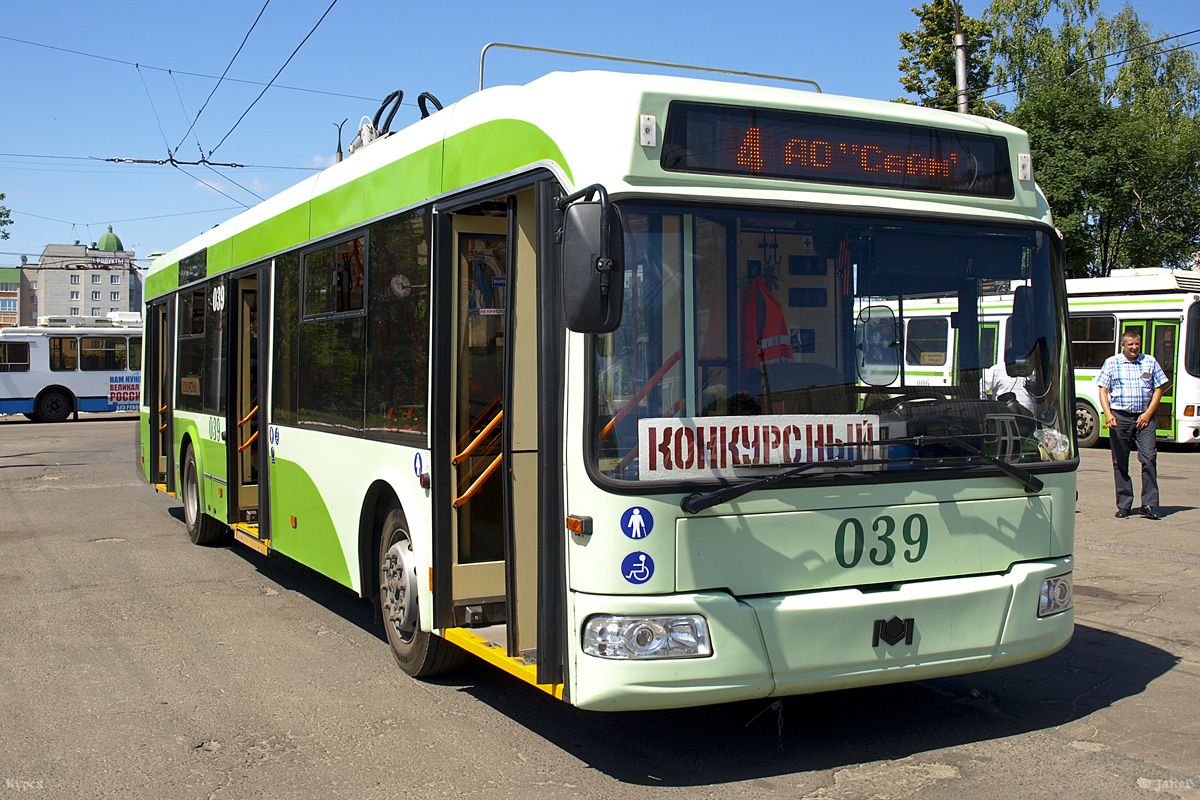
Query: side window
{"points": [[191, 350], [332, 337], [1093, 339], [926, 342], [102, 353], [398, 332], [64, 353], [14, 356], [284, 383], [334, 277], [215, 326], [135, 353]]}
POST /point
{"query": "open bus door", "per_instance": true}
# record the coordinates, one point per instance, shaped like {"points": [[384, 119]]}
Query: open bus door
{"points": [[245, 446], [159, 360], [494, 475]]}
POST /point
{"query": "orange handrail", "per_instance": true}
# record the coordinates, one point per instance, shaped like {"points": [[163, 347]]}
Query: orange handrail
{"points": [[482, 416], [163, 410], [483, 434], [163, 428], [642, 392], [249, 417], [487, 473], [249, 441]]}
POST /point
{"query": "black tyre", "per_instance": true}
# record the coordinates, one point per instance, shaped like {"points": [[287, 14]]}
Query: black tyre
{"points": [[202, 529], [53, 406], [33, 417], [419, 653], [1087, 424]]}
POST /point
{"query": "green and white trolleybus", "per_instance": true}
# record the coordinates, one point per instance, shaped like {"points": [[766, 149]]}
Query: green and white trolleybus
{"points": [[597, 378], [1163, 307]]}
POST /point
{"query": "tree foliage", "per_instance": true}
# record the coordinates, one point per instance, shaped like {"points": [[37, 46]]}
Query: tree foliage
{"points": [[928, 70], [1113, 115], [5, 219]]}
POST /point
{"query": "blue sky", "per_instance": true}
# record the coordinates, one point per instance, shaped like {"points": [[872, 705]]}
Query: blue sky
{"points": [[75, 97]]}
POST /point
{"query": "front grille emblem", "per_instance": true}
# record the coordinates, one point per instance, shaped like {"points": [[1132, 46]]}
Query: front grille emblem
{"points": [[893, 630]]}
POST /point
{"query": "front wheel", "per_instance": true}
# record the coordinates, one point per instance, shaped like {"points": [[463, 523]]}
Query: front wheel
{"points": [[202, 529], [1087, 424], [419, 653]]}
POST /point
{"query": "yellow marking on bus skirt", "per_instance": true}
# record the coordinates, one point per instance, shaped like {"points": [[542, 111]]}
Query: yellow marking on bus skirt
{"points": [[495, 654], [162, 487]]}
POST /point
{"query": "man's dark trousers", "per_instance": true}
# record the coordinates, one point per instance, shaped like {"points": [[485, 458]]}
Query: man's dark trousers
{"points": [[1121, 441]]}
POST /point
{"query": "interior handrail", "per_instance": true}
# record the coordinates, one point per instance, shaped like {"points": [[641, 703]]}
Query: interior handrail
{"points": [[642, 392], [249, 441], [249, 417], [487, 412], [483, 434], [487, 473]]}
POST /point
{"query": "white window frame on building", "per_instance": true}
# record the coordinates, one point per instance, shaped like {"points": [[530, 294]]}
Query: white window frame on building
{"points": [[95, 278], [95, 311], [75, 279], [74, 296], [114, 279], [114, 296], [74, 311]]}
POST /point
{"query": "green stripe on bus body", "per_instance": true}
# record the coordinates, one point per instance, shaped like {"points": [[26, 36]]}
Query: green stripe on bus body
{"points": [[314, 541], [495, 148], [485, 151], [163, 281]]}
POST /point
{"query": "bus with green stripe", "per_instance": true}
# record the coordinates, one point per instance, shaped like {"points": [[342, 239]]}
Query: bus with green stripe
{"points": [[573, 377], [1163, 307]]}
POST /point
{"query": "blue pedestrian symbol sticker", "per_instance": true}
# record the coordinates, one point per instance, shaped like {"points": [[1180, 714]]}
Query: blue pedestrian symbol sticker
{"points": [[636, 523], [418, 465], [638, 567]]}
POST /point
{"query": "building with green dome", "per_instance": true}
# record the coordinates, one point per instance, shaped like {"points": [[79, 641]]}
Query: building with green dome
{"points": [[81, 280]]}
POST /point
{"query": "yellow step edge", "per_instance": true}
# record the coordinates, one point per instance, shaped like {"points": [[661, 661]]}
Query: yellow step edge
{"points": [[495, 654], [162, 487], [247, 535]]}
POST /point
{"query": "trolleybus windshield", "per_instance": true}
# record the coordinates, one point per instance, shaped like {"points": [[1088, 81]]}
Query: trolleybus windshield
{"points": [[762, 340]]}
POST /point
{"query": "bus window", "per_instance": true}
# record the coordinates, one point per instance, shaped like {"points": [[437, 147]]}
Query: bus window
{"points": [[1191, 341], [64, 353], [102, 354], [191, 350], [14, 356], [135, 353], [1093, 339], [926, 342]]}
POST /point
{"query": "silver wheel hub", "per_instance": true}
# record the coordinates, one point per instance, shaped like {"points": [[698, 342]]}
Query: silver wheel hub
{"points": [[398, 588]]}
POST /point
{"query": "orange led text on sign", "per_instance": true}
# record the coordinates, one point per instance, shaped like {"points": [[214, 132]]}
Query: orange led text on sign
{"points": [[845, 157]]}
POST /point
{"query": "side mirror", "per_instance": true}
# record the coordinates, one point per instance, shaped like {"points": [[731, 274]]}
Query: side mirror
{"points": [[878, 340], [593, 250]]}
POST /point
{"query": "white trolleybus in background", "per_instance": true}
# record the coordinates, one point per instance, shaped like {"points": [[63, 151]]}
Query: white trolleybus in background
{"points": [[598, 379], [65, 365], [1163, 307]]}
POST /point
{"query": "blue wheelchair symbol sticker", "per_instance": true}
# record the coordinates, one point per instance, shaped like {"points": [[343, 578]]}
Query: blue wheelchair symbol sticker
{"points": [[638, 567], [418, 465], [637, 522]]}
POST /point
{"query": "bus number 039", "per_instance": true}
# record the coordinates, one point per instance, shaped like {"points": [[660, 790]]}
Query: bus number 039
{"points": [[914, 531]]}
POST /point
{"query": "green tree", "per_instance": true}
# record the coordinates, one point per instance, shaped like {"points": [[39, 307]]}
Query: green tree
{"points": [[1113, 115], [928, 70], [5, 219]]}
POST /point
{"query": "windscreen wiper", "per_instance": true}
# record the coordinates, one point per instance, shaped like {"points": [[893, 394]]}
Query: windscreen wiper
{"points": [[1029, 481], [698, 501]]}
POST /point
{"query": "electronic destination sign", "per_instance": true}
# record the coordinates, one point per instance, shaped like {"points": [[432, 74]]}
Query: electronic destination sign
{"points": [[793, 145]]}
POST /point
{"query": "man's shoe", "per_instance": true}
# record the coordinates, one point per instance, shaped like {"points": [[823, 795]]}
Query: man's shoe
{"points": [[1122, 513], [1151, 513]]}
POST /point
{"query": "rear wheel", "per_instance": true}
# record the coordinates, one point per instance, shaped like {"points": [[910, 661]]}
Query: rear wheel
{"points": [[419, 653], [53, 406], [1087, 424], [202, 529]]}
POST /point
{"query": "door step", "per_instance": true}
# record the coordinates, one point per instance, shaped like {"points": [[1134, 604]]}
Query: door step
{"points": [[247, 534], [162, 487]]}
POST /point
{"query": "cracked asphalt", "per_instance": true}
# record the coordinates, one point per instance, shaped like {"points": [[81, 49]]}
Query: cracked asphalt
{"points": [[135, 665]]}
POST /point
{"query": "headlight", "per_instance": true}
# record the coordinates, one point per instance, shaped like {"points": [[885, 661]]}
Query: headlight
{"points": [[1056, 595], [646, 637]]}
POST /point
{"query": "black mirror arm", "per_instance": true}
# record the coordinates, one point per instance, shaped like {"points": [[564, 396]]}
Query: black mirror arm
{"points": [[604, 262]]}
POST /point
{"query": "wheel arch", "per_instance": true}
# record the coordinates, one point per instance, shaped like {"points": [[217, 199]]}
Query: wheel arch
{"points": [[379, 498], [57, 388]]}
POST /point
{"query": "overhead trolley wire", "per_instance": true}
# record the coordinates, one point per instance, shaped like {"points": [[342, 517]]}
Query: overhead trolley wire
{"points": [[222, 78], [277, 74]]}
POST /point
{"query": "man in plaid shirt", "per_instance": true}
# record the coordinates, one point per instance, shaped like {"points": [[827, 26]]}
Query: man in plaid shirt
{"points": [[1131, 384]]}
